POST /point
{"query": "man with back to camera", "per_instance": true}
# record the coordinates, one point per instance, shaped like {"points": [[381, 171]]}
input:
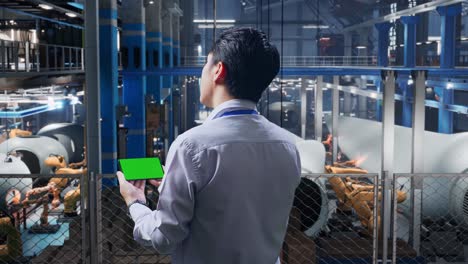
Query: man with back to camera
{"points": [[229, 183]]}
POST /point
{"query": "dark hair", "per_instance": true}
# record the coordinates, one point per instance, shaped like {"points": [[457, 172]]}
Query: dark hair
{"points": [[250, 59]]}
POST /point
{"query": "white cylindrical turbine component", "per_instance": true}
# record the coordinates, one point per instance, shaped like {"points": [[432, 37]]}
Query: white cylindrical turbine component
{"points": [[8, 186], [443, 197], [71, 136], [35, 150]]}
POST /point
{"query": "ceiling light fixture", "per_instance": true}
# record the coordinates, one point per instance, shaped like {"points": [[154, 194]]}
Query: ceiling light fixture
{"points": [[71, 14], [315, 26], [217, 26], [151, 2], [46, 7], [212, 21]]}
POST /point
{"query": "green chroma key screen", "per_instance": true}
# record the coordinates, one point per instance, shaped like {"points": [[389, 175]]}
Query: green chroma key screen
{"points": [[141, 168]]}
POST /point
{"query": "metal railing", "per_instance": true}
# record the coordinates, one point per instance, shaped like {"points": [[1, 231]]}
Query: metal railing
{"points": [[18, 56], [335, 218], [302, 61]]}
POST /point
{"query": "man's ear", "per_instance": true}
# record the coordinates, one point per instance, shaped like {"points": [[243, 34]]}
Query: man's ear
{"points": [[220, 72]]}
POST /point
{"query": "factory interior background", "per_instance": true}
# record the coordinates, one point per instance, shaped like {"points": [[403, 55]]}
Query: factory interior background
{"points": [[374, 91]]}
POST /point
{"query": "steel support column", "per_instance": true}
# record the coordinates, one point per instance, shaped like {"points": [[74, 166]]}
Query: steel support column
{"points": [[383, 43], [362, 100], [448, 15], [347, 103], [417, 156], [410, 40], [108, 71], [388, 140], [154, 49], [176, 102], [378, 103], [168, 62], [318, 107], [304, 84], [407, 106], [335, 114], [363, 50], [134, 87], [93, 131]]}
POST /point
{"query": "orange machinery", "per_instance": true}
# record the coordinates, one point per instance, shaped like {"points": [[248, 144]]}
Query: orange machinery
{"points": [[357, 195]]}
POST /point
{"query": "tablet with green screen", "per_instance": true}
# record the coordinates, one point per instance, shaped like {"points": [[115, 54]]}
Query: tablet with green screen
{"points": [[141, 168]]}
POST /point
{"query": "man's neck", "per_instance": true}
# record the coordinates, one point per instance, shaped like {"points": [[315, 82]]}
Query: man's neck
{"points": [[221, 97]]}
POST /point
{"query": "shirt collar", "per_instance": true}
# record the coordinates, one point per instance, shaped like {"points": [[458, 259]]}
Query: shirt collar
{"points": [[231, 105]]}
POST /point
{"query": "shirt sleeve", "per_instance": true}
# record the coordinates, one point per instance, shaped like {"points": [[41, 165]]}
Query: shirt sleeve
{"points": [[168, 225]]}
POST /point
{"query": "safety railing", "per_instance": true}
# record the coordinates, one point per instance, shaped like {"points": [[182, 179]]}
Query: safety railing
{"points": [[336, 218], [301, 61], [41, 219], [18, 56]]}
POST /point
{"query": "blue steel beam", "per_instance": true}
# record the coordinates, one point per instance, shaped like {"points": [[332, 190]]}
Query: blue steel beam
{"points": [[383, 42], [410, 40], [134, 86], [461, 86], [109, 87], [448, 15], [432, 103], [461, 109]]}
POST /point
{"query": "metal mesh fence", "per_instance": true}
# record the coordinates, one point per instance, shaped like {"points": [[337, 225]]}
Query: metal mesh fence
{"points": [[433, 220], [332, 220], [117, 242], [40, 219]]}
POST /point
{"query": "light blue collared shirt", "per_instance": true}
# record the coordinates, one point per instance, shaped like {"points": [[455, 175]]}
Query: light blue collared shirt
{"points": [[227, 193]]}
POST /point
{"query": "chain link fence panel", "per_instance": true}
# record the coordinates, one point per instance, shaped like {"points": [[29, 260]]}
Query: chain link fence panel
{"points": [[40, 219], [433, 221], [333, 220], [118, 246]]}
